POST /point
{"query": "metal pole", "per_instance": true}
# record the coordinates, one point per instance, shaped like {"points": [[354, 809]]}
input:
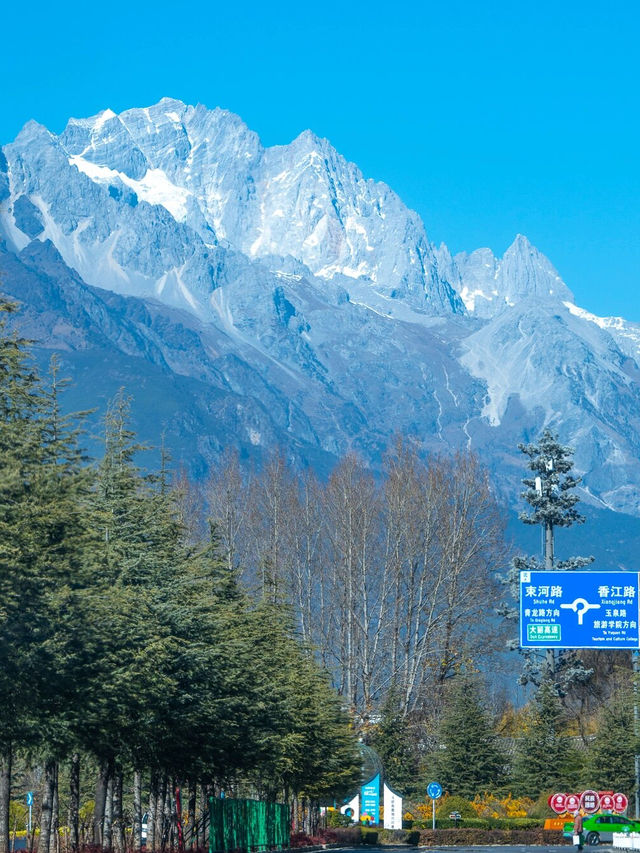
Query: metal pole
{"points": [[548, 546], [433, 804], [547, 553], [636, 727], [548, 564]]}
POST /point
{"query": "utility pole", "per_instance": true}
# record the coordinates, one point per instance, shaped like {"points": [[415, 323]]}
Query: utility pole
{"points": [[547, 547], [550, 493]]}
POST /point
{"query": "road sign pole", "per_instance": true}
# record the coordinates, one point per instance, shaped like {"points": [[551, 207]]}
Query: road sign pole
{"points": [[434, 790], [548, 564]]}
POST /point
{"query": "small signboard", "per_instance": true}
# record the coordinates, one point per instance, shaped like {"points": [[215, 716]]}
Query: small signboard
{"points": [[606, 802], [620, 803], [558, 802], [392, 808], [579, 610], [590, 801], [29, 798], [572, 802], [352, 808]]}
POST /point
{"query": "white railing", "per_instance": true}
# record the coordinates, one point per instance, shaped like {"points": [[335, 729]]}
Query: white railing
{"points": [[627, 840]]}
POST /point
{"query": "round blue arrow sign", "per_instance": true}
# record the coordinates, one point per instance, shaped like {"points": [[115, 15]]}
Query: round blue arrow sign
{"points": [[434, 790]]}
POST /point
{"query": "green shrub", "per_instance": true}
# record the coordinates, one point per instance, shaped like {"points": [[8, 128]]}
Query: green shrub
{"points": [[348, 836], [369, 836], [336, 818], [540, 808], [469, 837], [18, 814], [447, 823], [514, 822], [450, 804], [390, 836]]}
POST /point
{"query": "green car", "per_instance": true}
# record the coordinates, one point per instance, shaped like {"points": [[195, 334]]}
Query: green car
{"points": [[597, 828]]}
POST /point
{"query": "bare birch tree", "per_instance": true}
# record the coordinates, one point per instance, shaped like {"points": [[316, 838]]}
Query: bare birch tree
{"points": [[227, 493]]}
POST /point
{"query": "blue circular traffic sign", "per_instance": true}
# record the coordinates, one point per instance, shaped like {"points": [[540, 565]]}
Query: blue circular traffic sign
{"points": [[434, 790]]}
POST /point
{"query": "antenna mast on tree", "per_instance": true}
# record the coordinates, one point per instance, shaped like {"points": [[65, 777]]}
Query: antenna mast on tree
{"points": [[552, 499]]}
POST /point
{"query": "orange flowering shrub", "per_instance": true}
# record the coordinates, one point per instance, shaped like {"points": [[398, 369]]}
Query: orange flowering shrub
{"points": [[489, 805]]}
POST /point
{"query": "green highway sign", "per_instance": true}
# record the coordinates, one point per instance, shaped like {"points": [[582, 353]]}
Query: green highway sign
{"points": [[548, 633]]}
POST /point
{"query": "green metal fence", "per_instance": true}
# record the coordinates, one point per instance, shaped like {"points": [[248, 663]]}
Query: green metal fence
{"points": [[247, 825]]}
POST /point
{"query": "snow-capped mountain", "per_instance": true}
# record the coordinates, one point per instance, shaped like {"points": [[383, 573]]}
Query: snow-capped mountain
{"points": [[199, 179], [275, 296]]}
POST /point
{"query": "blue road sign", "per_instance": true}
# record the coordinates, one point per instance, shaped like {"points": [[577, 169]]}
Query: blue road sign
{"points": [[434, 790], [579, 610], [29, 798]]}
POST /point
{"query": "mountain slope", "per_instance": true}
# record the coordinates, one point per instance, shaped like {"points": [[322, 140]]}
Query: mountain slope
{"points": [[276, 297]]}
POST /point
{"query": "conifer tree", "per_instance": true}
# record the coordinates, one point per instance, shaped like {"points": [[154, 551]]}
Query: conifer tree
{"points": [[131, 688], [307, 747], [20, 587], [551, 496], [611, 755], [41, 547], [544, 759], [393, 742], [471, 759]]}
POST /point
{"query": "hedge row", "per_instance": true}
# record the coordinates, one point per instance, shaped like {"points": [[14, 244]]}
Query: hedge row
{"points": [[470, 836], [375, 836], [480, 823]]}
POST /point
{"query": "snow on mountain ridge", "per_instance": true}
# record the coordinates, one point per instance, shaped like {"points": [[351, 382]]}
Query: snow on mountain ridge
{"points": [[322, 290], [625, 333], [302, 199], [154, 187], [489, 284]]}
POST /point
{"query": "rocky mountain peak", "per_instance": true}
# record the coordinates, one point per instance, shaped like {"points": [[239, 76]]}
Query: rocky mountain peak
{"points": [[489, 285]]}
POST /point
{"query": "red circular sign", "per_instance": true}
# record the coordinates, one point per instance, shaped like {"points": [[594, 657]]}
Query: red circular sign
{"points": [[606, 802], [620, 803], [558, 802], [590, 801], [572, 803]]}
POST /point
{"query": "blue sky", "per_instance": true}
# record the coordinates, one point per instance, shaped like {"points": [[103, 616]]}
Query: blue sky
{"points": [[488, 118]]}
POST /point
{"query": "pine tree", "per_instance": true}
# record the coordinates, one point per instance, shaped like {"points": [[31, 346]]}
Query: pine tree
{"points": [[550, 492], [128, 719], [551, 496], [393, 742], [41, 548], [544, 759], [471, 760], [611, 755]]}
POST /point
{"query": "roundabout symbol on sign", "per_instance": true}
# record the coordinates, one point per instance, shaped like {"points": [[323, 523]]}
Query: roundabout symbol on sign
{"points": [[434, 790]]}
